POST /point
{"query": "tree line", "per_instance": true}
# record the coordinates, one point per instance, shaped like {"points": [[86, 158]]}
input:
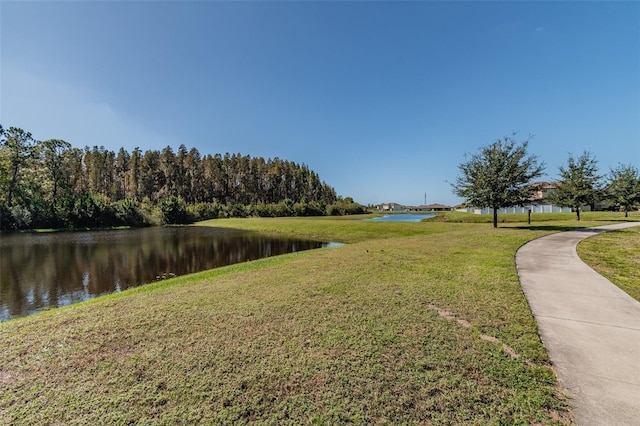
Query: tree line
{"points": [[52, 184], [501, 175]]}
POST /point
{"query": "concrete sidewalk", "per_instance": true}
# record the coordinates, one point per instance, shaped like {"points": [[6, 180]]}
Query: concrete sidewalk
{"points": [[590, 327]]}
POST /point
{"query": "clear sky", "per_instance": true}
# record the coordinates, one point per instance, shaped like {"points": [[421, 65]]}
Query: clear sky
{"points": [[381, 99]]}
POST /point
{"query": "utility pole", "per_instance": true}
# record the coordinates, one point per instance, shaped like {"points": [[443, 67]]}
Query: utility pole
{"points": [[425, 198]]}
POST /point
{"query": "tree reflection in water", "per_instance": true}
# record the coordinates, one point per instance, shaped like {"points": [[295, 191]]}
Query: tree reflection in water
{"points": [[40, 271]]}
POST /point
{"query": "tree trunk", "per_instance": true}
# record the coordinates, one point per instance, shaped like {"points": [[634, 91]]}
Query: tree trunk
{"points": [[495, 217], [577, 213], [12, 185], [54, 196]]}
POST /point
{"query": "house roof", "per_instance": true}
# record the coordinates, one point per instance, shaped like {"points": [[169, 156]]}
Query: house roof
{"points": [[545, 185], [434, 206]]}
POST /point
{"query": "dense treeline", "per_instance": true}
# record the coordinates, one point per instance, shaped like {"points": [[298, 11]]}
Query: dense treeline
{"points": [[52, 184]]}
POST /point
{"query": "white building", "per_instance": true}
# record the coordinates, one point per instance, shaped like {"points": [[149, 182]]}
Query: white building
{"points": [[539, 203]]}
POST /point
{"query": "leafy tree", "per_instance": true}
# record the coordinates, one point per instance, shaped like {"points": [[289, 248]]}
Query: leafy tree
{"points": [[345, 206], [579, 183], [133, 175], [53, 151], [623, 187], [128, 212], [121, 175], [500, 175], [152, 178], [173, 210], [194, 177], [168, 166], [19, 148], [100, 165], [92, 210]]}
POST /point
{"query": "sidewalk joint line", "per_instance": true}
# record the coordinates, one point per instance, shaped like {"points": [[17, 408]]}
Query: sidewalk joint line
{"points": [[589, 322]]}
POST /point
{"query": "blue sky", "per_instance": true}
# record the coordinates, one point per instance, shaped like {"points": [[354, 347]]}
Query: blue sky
{"points": [[382, 99]]}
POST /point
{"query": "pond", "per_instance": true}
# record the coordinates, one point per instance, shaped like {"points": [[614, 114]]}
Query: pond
{"points": [[400, 218], [42, 271]]}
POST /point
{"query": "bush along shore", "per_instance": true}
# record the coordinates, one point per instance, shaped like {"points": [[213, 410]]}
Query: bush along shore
{"points": [[408, 323]]}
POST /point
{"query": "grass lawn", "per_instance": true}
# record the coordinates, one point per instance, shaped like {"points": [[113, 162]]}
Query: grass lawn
{"points": [[409, 323], [616, 255]]}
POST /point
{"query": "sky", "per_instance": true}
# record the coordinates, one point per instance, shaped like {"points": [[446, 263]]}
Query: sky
{"points": [[382, 99]]}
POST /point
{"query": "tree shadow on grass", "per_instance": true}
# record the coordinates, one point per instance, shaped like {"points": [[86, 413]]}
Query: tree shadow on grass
{"points": [[617, 219], [559, 228]]}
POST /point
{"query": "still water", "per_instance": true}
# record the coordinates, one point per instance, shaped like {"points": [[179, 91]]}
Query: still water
{"points": [[41, 271], [400, 218]]}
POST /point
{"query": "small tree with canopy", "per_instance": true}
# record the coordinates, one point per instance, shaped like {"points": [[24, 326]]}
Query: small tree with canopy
{"points": [[579, 183], [623, 187], [498, 176]]}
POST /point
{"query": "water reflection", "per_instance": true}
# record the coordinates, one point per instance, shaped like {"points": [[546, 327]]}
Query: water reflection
{"points": [[39, 271]]}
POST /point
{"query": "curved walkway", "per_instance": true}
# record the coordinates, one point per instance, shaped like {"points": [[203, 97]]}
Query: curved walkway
{"points": [[590, 327]]}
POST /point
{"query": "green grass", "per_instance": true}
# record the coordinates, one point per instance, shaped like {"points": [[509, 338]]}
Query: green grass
{"points": [[535, 217], [391, 328], [616, 255]]}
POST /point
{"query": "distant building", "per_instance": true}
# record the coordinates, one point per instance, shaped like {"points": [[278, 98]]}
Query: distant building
{"points": [[391, 207], [395, 207], [432, 208], [538, 203], [544, 190]]}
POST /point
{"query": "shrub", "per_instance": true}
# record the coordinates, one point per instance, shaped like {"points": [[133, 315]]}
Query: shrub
{"points": [[173, 210], [128, 212], [6, 217], [203, 211]]}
